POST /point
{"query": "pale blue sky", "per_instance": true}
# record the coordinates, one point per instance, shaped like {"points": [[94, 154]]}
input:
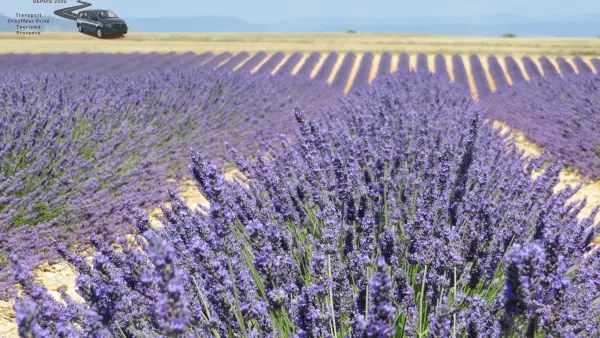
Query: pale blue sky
{"points": [[276, 10]]}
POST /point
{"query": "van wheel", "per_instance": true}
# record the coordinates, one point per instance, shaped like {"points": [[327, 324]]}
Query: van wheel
{"points": [[80, 28], [99, 33]]}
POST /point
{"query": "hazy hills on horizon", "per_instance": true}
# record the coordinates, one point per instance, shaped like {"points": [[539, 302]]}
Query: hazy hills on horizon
{"points": [[587, 25]]}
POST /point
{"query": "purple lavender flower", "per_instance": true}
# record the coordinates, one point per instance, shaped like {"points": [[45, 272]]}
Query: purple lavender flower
{"points": [[381, 310], [171, 300]]}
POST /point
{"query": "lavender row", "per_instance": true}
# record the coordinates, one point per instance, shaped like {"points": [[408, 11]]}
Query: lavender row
{"points": [[361, 78], [254, 61], [404, 63], [460, 72], [269, 66], [422, 63], [479, 76], [385, 64], [235, 61], [441, 68], [103, 63], [565, 66], [341, 77], [288, 67], [400, 215], [309, 65], [327, 67], [548, 67], [497, 73], [531, 67], [513, 69], [138, 62], [596, 63], [582, 66], [558, 113], [148, 62], [217, 60], [198, 61]]}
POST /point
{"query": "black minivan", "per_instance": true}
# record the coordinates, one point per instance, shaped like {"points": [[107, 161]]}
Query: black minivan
{"points": [[101, 22]]}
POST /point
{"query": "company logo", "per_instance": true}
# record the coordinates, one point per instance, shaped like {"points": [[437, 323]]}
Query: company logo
{"points": [[100, 22]]}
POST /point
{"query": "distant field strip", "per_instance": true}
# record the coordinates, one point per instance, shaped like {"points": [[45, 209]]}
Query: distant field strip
{"points": [[298, 42]]}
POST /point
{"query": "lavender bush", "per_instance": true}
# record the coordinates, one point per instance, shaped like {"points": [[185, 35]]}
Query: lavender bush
{"points": [[385, 64], [400, 215], [422, 63], [596, 64], [217, 60], [460, 72], [75, 146], [309, 65], [235, 61], [531, 67], [560, 114], [565, 66], [327, 67], [290, 64], [341, 77], [252, 63], [582, 66], [479, 77], [119, 63], [269, 66], [513, 70], [548, 67], [363, 73], [404, 63], [441, 68]]}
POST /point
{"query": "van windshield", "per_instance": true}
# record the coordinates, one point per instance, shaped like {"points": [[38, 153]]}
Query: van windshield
{"points": [[106, 14]]}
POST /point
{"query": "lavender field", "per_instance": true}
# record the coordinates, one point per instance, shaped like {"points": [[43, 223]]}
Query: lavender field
{"points": [[373, 197]]}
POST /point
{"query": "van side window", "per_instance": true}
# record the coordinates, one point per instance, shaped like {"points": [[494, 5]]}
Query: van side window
{"points": [[93, 16], [84, 15]]}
